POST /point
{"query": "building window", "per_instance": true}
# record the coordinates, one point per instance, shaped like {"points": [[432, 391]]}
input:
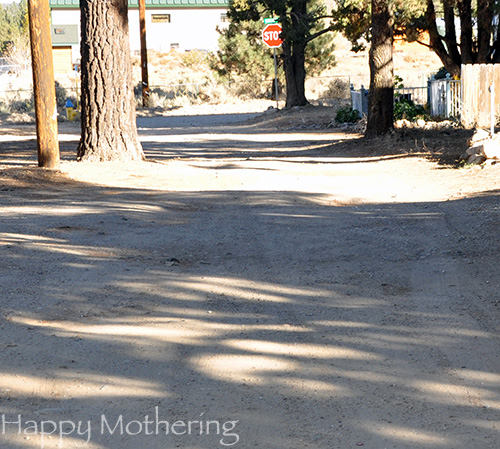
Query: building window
{"points": [[174, 46], [160, 18], [224, 18]]}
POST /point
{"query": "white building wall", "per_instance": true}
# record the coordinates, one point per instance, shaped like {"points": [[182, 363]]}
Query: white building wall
{"points": [[191, 29]]}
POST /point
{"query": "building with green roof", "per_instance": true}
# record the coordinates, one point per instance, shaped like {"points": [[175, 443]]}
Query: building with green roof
{"points": [[181, 25]]}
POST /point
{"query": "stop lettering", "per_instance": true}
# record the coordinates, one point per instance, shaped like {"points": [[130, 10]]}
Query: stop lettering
{"points": [[270, 35]]}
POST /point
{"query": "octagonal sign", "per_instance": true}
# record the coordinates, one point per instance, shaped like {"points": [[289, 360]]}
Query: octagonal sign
{"points": [[271, 35]]}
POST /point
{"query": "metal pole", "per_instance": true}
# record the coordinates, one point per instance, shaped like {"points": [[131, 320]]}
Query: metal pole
{"points": [[144, 53], [43, 83], [276, 79], [492, 109]]}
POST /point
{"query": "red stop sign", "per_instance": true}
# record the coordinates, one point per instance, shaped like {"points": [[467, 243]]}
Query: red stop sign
{"points": [[271, 35]]}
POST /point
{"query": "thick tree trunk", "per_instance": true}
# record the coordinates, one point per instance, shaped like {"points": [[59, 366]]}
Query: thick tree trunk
{"points": [[381, 94], [294, 55], [108, 120], [295, 75]]}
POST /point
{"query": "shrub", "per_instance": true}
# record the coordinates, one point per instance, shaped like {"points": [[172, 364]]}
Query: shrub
{"points": [[61, 95], [337, 88], [407, 109], [347, 115], [194, 59], [441, 74], [21, 106]]}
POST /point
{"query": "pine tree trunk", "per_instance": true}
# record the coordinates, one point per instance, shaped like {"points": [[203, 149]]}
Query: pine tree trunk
{"points": [[295, 75], [108, 119], [294, 56], [381, 94]]}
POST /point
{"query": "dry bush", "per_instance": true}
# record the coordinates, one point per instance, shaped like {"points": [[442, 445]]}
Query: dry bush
{"points": [[194, 60], [337, 88], [19, 55]]}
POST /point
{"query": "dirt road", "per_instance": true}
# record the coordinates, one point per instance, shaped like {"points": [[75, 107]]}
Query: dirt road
{"points": [[252, 288]]}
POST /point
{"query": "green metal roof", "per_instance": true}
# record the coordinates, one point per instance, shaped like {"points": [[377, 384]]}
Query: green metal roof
{"points": [[60, 4]]}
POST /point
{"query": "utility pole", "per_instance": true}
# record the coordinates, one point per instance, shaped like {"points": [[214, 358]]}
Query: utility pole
{"points": [[144, 53], [43, 84]]}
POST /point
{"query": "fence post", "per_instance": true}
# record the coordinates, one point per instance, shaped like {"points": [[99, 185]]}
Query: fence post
{"points": [[492, 109], [352, 96], [448, 96], [429, 92], [364, 101]]}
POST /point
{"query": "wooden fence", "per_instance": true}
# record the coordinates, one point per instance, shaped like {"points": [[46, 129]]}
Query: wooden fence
{"points": [[476, 96]]}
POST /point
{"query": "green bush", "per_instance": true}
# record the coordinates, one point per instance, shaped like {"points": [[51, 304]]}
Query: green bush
{"points": [[347, 115], [407, 109], [441, 74]]}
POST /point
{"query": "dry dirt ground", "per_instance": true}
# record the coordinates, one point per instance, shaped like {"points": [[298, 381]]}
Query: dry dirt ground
{"points": [[263, 281]]}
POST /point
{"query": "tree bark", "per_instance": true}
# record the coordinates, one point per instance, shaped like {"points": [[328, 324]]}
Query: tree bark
{"points": [[108, 119], [466, 32], [381, 94], [436, 42], [484, 26], [294, 47], [450, 29], [295, 75]]}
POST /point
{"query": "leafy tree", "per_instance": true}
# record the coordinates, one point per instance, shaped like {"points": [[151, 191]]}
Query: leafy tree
{"points": [[108, 119], [478, 41], [302, 22], [13, 26], [3, 29], [242, 55], [475, 40]]}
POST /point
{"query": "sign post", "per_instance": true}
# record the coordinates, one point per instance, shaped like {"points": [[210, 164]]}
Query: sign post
{"points": [[271, 37]]}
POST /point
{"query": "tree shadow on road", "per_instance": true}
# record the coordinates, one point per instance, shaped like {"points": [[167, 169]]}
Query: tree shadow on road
{"points": [[310, 325], [166, 138]]}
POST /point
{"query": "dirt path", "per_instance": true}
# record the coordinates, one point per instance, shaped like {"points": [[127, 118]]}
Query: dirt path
{"points": [[254, 287]]}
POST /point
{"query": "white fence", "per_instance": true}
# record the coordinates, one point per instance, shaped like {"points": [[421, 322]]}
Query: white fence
{"points": [[359, 98], [443, 97]]}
